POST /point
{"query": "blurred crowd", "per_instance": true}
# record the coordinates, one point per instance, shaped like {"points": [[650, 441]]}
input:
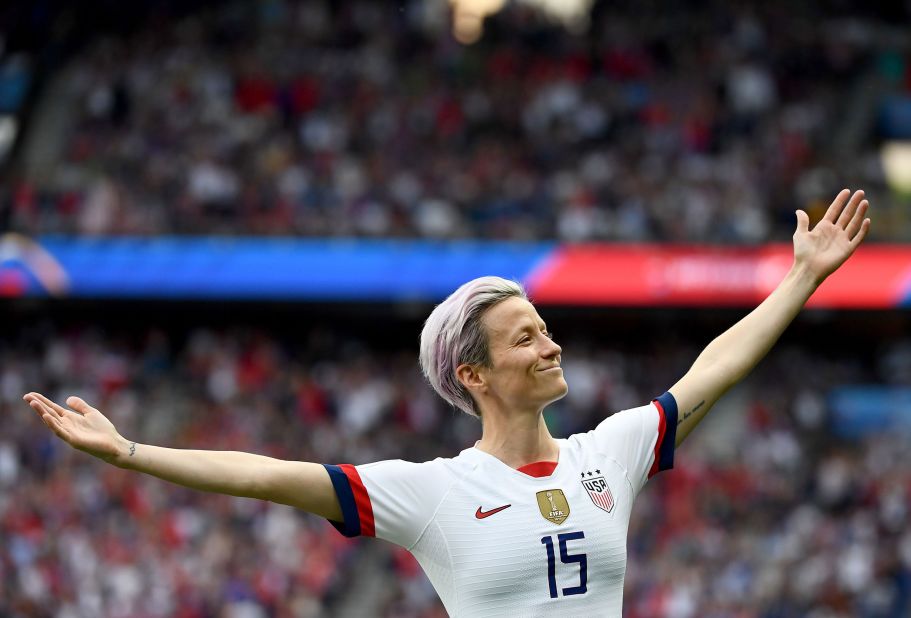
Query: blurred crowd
{"points": [[778, 519], [705, 122]]}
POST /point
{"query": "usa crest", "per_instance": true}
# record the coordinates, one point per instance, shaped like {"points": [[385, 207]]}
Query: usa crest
{"points": [[553, 505], [598, 491]]}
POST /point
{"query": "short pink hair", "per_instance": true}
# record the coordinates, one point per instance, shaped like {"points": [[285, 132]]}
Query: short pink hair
{"points": [[454, 335]]}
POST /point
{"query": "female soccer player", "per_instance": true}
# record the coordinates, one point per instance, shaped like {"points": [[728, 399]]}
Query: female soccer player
{"points": [[521, 523]]}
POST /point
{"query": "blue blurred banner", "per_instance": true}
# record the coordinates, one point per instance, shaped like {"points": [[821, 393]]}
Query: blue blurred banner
{"points": [[642, 275], [895, 117], [241, 269], [861, 410]]}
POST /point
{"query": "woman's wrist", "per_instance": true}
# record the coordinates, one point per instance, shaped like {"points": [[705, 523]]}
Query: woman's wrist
{"points": [[803, 276], [125, 453]]}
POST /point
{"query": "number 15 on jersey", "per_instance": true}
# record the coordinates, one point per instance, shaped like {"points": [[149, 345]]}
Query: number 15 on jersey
{"points": [[566, 558]]}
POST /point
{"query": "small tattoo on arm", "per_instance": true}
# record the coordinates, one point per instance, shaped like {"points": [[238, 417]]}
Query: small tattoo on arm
{"points": [[691, 412], [132, 448]]}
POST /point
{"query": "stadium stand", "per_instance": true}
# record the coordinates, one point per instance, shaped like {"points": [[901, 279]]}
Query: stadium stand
{"points": [[706, 123], [768, 512], [697, 122]]}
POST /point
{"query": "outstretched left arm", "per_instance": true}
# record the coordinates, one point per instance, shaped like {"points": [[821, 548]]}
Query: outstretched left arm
{"points": [[734, 353]]}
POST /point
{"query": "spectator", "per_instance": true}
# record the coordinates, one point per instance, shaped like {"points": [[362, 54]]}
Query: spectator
{"points": [[363, 121], [780, 518]]}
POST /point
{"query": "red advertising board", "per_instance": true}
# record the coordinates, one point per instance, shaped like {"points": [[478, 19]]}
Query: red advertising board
{"points": [[655, 275]]}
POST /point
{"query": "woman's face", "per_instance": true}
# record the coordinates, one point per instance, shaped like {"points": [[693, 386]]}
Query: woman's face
{"points": [[525, 361]]}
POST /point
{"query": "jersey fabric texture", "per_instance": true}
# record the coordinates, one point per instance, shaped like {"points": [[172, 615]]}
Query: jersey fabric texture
{"points": [[497, 542]]}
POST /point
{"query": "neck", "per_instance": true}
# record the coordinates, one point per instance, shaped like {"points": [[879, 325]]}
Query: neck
{"points": [[517, 439]]}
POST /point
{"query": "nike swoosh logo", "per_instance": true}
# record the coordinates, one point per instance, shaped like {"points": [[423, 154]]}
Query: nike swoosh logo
{"points": [[481, 514]]}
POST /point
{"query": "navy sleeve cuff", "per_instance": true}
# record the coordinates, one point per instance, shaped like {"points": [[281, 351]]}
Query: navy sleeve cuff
{"points": [[666, 452], [351, 527]]}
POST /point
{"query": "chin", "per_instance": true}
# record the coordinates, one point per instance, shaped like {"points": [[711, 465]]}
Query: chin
{"points": [[543, 397], [561, 392]]}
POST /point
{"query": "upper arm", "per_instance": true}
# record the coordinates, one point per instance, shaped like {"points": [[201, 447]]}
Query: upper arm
{"points": [[696, 393], [300, 484]]}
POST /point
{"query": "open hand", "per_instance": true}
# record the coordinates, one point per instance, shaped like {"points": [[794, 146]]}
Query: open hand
{"points": [[834, 238], [82, 427]]}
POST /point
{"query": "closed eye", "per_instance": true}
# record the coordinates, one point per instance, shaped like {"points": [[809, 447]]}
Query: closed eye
{"points": [[526, 339]]}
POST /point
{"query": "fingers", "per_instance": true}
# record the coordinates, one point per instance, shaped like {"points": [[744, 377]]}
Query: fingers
{"points": [[43, 409], [853, 226], [52, 407], [836, 206], [848, 213], [57, 427], [50, 418], [803, 222], [864, 228], [79, 405]]}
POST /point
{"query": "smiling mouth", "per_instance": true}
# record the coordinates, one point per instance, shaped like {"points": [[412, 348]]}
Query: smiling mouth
{"points": [[552, 368]]}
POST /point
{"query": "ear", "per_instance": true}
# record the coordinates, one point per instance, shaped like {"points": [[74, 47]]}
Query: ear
{"points": [[470, 377]]}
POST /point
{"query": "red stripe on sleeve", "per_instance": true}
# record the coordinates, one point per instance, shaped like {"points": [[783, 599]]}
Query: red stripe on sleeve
{"points": [[662, 427], [361, 499]]}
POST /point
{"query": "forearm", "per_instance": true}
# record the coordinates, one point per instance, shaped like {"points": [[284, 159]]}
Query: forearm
{"points": [[226, 472], [734, 353], [300, 484]]}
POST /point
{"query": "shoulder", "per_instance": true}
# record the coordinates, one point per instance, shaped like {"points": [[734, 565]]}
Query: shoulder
{"points": [[654, 419], [393, 499], [641, 439], [619, 426], [441, 470]]}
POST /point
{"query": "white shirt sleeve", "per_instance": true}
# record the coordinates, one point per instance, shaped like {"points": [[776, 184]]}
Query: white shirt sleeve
{"points": [[392, 500], [641, 439]]}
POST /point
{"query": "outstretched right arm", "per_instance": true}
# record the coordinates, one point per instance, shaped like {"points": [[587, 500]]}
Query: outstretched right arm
{"points": [[303, 485]]}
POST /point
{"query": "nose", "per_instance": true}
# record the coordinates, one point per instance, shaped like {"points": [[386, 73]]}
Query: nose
{"points": [[550, 349]]}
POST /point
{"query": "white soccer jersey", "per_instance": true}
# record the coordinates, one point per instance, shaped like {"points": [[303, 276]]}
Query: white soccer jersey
{"points": [[495, 541]]}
